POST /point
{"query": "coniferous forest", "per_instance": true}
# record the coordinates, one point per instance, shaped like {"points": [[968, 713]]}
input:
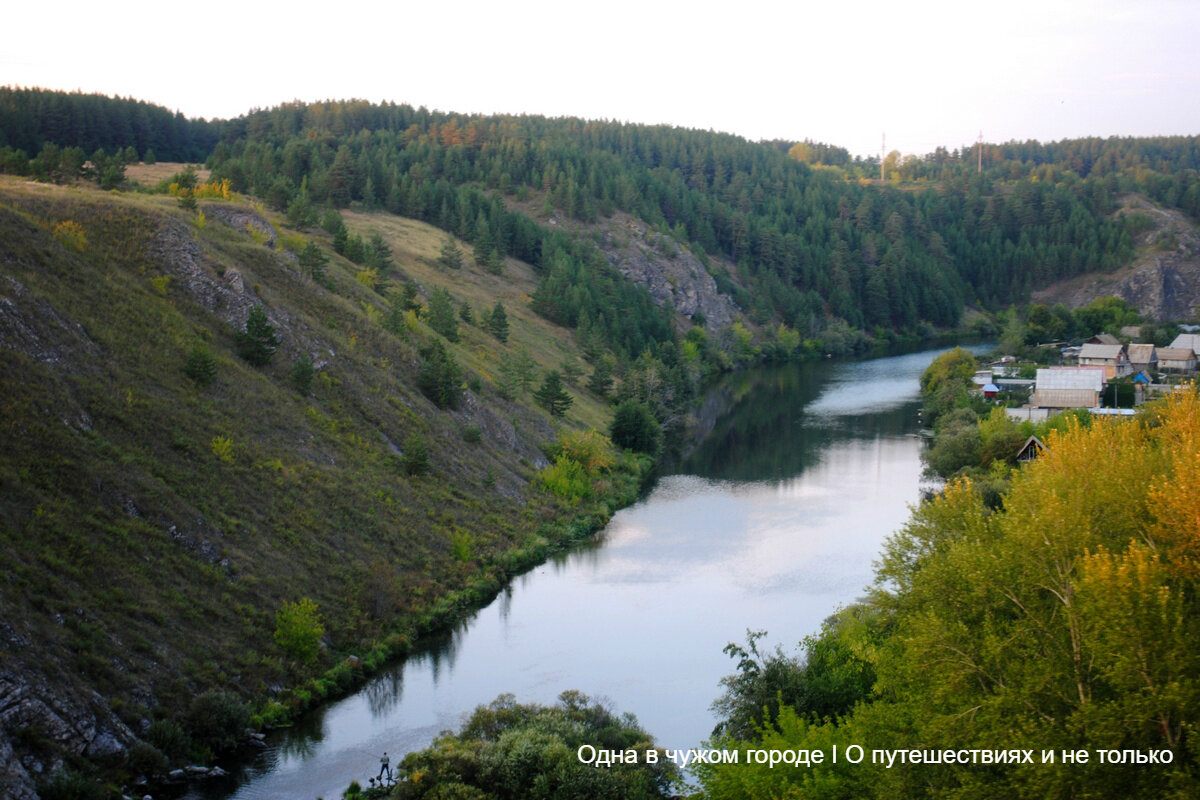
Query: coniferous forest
{"points": [[796, 232]]}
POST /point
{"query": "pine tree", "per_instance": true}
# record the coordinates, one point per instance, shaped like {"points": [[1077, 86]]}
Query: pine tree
{"points": [[601, 380], [378, 253], [552, 396], [497, 322], [302, 374], [442, 317], [257, 343], [300, 211], [313, 259], [440, 377], [200, 366], [451, 256]]}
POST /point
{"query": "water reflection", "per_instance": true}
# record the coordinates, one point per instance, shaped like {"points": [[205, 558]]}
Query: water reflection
{"points": [[770, 522], [776, 424], [385, 692]]}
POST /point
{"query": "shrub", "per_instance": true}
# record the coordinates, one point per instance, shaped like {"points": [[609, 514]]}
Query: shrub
{"points": [[217, 719], [146, 759], [415, 460], [298, 630], [566, 478], [222, 448], [168, 737], [302, 374], [592, 450], [70, 234], [462, 546], [635, 428]]}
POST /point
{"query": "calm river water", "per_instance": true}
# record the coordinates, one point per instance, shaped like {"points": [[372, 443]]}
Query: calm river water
{"points": [[772, 522]]}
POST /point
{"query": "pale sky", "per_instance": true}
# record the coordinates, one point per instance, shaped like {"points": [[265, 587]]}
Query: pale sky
{"points": [[925, 72]]}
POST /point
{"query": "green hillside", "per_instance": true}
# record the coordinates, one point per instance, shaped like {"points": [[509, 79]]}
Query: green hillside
{"points": [[155, 522]]}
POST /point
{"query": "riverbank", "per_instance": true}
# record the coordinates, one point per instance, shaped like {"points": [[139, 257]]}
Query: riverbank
{"points": [[628, 480]]}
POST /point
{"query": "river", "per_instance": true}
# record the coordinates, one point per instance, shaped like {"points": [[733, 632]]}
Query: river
{"points": [[772, 522]]}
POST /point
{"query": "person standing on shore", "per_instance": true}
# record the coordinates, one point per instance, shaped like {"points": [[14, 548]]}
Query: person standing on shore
{"points": [[385, 767]]}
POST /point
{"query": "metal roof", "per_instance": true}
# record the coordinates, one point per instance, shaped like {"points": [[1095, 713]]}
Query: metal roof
{"points": [[1189, 340], [1089, 378]]}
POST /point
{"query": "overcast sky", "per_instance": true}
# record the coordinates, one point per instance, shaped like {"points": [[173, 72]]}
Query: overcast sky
{"points": [[925, 72]]}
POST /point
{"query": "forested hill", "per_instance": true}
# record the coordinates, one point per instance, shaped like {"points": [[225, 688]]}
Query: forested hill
{"points": [[798, 233], [810, 241]]}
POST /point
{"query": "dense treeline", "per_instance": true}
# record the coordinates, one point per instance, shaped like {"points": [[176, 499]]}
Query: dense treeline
{"points": [[814, 238], [1062, 619], [31, 118], [809, 243]]}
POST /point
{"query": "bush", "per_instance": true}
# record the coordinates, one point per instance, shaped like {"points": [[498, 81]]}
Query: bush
{"points": [[298, 630], [68, 785], [217, 719], [146, 759], [302, 374], [168, 737], [567, 479], [415, 460], [635, 428], [71, 234]]}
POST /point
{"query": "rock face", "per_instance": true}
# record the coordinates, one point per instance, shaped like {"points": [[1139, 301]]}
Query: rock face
{"points": [[1163, 282], [674, 277], [671, 273], [33, 326], [242, 219], [72, 724]]}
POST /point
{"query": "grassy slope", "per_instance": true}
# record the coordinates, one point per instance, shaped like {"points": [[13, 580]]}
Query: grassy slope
{"points": [[146, 567]]}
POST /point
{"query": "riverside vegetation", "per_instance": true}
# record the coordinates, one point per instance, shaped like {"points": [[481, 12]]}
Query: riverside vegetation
{"points": [[253, 446]]}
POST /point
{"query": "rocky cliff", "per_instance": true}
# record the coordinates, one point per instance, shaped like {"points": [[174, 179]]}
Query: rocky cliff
{"points": [[1163, 282]]}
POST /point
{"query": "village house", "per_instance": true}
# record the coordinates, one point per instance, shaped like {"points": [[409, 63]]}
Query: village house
{"points": [[1029, 451], [1189, 340], [1177, 361], [1143, 358], [1068, 387], [1112, 357]]}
